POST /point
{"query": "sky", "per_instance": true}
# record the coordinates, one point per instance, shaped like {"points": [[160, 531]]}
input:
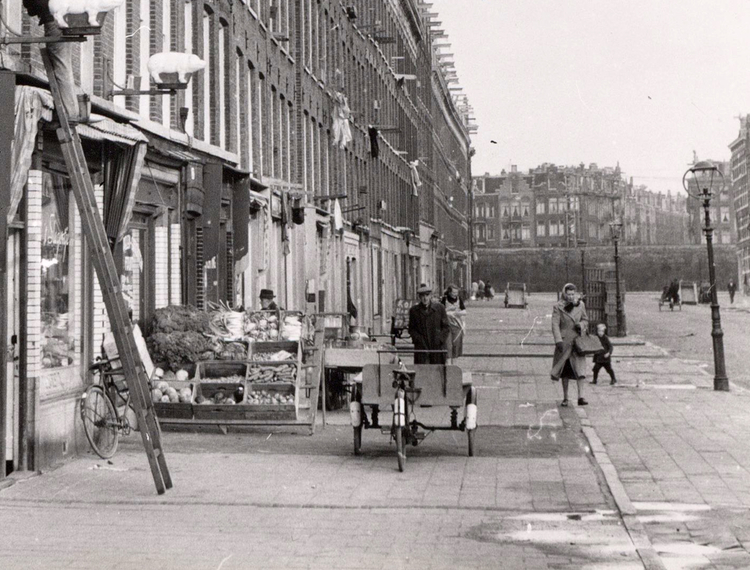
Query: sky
{"points": [[642, 83]]}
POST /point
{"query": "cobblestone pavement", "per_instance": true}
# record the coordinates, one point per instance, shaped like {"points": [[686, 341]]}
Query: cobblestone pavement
{"points": [[652, 474]]}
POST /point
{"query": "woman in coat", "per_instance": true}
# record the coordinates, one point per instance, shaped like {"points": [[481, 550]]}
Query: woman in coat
{"points": [[456, 310], [569, 319]]}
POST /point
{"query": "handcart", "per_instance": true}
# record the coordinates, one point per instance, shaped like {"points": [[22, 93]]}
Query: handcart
{"points": [[403, 392], [515, 295]]}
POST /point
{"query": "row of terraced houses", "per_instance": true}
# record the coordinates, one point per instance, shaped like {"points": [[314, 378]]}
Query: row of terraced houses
{"points": [[323, 152]]}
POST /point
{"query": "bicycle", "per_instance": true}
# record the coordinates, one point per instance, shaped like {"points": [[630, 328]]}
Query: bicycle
{"points": [[102, 421]]}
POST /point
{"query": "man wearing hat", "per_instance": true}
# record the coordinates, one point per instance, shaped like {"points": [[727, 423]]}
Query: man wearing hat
{"points": [[267, 302], [429, 328]]}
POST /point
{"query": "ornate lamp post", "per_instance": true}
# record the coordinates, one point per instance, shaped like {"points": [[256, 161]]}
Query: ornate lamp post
{"points": [[706, 177], [615, 227]]}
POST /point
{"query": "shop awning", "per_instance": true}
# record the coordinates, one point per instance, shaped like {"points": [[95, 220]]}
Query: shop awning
{"points": [[108, 130], [33, 104]]}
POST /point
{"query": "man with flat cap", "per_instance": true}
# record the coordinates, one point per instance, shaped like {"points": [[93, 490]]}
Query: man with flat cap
{"points": [[429, 328], [267, 302]]}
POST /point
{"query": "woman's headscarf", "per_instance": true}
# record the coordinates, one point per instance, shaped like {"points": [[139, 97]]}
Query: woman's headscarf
{"points": [[564, 302]]}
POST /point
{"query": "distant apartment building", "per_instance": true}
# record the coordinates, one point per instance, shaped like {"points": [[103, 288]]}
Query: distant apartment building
{"points": [[571, 206], [740, 188]]}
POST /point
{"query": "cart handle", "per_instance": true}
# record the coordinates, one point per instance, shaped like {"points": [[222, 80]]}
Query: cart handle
{"points": [[412, 351]]}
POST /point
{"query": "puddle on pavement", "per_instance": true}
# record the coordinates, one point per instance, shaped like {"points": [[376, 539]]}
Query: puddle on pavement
{"points": [[592, 539], [597, 515], [661, 506]]}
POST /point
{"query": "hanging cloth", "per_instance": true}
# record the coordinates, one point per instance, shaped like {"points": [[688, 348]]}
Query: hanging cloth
{"points": [[374, 146], [338, 216], [342, 132], [31, 105], [416, 181]]}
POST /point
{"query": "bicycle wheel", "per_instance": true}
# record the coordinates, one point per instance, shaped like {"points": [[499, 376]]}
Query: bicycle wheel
{"points": [[400, 448], [100, 422]]}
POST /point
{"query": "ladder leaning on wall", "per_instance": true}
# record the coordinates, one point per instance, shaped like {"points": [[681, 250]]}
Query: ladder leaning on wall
{"points": [[104, 264]]}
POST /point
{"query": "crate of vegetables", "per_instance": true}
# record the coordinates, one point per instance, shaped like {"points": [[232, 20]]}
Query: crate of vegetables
{"points": [[272, 373], [262, 326], [221, 371], [274, 402], [219, 400], [173, 399]]}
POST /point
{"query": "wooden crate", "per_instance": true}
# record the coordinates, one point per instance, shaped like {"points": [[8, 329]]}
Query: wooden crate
{"points": [[207, 390], [216, 369]]}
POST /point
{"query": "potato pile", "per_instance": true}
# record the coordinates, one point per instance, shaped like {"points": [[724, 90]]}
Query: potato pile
{"points": [[271, 374], [269, 397]]}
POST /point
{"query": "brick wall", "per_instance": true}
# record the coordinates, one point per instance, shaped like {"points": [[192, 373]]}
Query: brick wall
{"points": [[100, 318], [156, 45], [161, 266]]}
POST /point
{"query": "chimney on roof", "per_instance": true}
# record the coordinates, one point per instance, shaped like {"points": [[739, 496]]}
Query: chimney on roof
{"points": [[513, 168]]}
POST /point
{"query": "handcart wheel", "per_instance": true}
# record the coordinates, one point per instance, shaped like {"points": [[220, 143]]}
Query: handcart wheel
{"points": [[357, 440], [471, 433], [400, 448]]}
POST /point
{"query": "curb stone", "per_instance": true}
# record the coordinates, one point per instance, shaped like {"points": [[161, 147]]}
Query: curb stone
{"points": [[648, 555]]}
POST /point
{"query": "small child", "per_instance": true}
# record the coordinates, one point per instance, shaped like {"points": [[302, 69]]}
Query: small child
{"points": [[604, 359]]}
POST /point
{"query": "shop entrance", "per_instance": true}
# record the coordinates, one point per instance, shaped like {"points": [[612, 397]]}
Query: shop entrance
{"points": [[12, 309]]}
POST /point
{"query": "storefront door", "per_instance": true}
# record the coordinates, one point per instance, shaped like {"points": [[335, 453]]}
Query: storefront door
{"points": [[12, 310]]}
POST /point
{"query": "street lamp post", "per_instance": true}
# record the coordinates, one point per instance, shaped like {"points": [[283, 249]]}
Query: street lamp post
{"points": [[614, 228], [704, 175]]}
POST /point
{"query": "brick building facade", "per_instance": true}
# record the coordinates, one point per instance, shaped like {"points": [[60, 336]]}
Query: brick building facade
{"points": [[245, 183], [740, 192], [553, 206]]}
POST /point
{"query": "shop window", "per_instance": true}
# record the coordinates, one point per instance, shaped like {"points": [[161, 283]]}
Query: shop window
{"points": [[57, 279]]}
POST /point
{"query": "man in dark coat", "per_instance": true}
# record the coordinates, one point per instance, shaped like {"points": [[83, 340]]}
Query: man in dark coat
{"points": [[60, 55], [429, 328]]}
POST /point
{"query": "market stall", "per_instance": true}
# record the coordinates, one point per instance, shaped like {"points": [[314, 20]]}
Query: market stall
{"points": [[226, 367]]}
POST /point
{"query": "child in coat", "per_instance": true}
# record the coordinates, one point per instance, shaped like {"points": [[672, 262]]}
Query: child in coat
{"points": [[604, 359]]}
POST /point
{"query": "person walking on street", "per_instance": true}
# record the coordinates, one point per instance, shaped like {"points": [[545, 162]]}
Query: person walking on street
{"points": [[489, 292], [429, 328], [569, 320], [456, 310], [474, 288], [604, 359], [480, 289], [732, 288], [674, 293]]}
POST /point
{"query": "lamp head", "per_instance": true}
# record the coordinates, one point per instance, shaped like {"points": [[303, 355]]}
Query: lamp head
{"points": [[615, 226], [705, 178]]}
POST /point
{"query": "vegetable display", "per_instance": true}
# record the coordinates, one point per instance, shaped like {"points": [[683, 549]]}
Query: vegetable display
{"points": [[261, 326], [270, 374], [162, 392], [257, 397], [179, 349], [179, 318]]}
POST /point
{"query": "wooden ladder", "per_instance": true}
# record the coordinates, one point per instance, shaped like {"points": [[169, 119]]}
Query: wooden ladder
{"points": [[104, 264], [317, 375]]}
